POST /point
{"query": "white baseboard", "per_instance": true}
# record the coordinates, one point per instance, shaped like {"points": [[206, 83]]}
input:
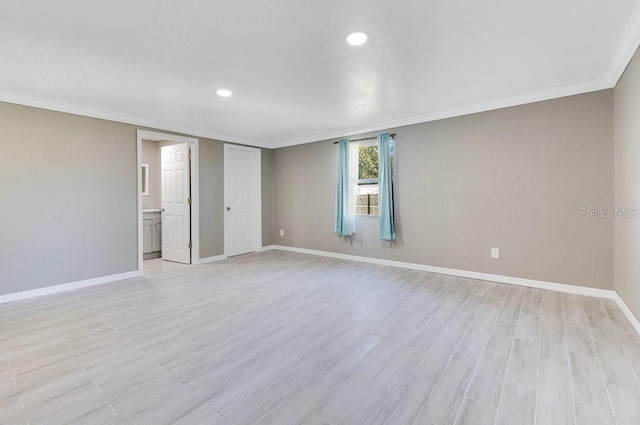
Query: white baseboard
{"points": [[559, 287], [211, 259], [224, 257], [551, 286], [49, 290], [627, 312]]}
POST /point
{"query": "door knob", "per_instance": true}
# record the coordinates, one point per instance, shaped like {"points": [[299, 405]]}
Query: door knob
{"points": [[228, 208]]}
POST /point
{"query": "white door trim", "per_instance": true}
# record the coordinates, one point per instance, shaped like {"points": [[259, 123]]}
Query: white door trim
{"points": [[195, 188], [257, 195]]}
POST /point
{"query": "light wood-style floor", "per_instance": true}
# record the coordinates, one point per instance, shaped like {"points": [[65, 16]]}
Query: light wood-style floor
{"points": [[281, 338]]}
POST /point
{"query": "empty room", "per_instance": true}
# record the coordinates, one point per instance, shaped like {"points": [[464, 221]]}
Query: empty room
{"points": [[320, 213]]}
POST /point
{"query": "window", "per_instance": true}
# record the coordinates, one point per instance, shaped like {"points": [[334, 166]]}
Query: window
{"points": [[367, 189], [367, 199]]}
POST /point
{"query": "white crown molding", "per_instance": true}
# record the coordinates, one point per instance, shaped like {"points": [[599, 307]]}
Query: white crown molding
{"points": [[625, 49], [49, 290], [623, 54], [509, 280], [547, 94], [125, 119]]}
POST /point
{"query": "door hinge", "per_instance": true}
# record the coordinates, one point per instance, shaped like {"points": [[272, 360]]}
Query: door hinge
{"points": [[189, 200], [189, 154], [190, 245]]}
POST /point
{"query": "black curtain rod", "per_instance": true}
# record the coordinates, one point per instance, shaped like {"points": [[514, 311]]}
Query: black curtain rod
{"points": [[365, 138]]}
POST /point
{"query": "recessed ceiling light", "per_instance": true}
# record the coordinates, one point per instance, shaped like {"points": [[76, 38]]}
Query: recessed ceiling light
{"points": [[357, 38], [224, 93]]}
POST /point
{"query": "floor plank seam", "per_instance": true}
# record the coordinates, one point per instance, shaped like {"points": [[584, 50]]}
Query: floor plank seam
{"points": [[510, 358], [566, 343], [604, 380]]}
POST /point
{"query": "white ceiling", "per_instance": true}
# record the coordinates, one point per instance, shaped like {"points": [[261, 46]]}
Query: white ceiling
{"points": [[293, 76]]}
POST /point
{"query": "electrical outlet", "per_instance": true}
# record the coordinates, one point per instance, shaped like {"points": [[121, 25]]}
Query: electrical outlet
{"points": [[281, 232], [495, 252]]}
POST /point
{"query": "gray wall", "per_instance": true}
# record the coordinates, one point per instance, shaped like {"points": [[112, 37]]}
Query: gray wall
{"points": [[151, 155], [211, 198], [68, 191], [69, 200], [268, 206], [627, 185], [515, 179]]}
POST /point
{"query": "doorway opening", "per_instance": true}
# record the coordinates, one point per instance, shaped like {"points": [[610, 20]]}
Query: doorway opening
{"points": [[168, 198]]}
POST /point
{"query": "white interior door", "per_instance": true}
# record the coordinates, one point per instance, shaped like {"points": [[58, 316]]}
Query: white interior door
{"points": [[176, 211], [242, 194]]}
